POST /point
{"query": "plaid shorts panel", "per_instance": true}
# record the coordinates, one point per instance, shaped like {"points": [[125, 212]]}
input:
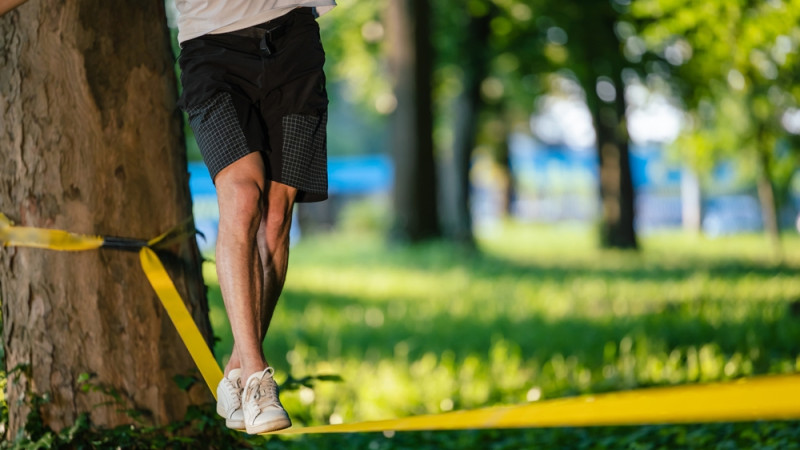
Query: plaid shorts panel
{"points": [[305, 159], [218, 132]]}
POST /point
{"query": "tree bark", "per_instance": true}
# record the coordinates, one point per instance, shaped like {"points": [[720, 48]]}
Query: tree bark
{"points": [[455, 166], [616, 184], [766, 190], [474, 56], [509, 186], [91, 142], [410, 60], [617, 196]]}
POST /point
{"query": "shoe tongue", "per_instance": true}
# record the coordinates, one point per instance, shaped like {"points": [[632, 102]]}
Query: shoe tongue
{"points": [[257, 377], [234, 374]]}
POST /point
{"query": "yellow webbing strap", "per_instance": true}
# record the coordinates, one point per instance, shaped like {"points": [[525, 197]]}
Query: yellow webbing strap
{"points": [[175, 234], [156, 273], [180, 316], [758, 398], [43, 238]]}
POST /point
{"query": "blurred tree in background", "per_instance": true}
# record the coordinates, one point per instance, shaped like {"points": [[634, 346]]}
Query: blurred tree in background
{"points": [[380, 55], [734, 65], [499, 51], [594, 55], [462, 35], [728, 63], [409, 53]]}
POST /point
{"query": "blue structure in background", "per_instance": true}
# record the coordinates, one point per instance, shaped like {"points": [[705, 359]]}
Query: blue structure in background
{"points": [[650, 171], [352, 175], [200, 183], [557, 183], [368, 174], [648, 168], [346, 175], [204, 205], [553, 183]]}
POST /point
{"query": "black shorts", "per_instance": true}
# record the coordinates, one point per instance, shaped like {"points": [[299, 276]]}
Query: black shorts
{"points": [[261, 89]]}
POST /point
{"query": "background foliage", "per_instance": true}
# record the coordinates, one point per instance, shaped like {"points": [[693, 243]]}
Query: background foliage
{"points": [[368, 330]]}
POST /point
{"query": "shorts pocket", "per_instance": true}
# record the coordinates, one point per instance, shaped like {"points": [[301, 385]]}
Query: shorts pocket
{"points": [[305, 160]]}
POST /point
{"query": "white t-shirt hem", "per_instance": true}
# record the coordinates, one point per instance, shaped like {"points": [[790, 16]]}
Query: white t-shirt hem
{"points": [[188, 29], [253, 20]]}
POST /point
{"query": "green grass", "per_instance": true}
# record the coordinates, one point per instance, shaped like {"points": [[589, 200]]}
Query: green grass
{"points": [[367, 330], [540, 312]]}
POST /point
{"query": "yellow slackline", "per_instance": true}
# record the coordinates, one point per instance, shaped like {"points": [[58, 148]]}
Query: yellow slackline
{"points": [[759, 398], [153, 269], [41, 238], [775, 397], [180, 316]]}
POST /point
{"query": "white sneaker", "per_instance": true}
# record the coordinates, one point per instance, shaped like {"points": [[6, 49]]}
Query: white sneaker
{"points": [[229, 400], [263, 411]]}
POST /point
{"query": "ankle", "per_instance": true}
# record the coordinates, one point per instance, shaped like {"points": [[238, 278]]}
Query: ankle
{"points": [[230, 367], [251, 369]]}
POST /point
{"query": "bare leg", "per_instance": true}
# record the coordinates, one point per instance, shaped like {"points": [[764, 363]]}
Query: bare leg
{"points": [[273, 246], [273, 249], [240, 192]]}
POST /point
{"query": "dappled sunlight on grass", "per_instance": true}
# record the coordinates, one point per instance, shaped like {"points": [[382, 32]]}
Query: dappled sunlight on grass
{"points": [[539, 313]]}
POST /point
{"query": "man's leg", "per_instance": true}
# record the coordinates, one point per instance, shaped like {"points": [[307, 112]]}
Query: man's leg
{"points": [[240, 193], [249, 397], [273, 247]]}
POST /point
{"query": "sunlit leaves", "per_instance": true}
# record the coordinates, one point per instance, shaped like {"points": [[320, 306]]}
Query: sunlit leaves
{"points": [[735, 63], [354, 38]]}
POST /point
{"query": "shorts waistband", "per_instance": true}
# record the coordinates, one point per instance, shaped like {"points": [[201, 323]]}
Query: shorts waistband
{"points": [[271, 30]]}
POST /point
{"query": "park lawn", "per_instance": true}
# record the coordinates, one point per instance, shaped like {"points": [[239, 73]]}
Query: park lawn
{"points": [[539, 313]]}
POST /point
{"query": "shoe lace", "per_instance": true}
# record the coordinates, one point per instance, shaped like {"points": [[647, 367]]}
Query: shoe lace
{"points": [[234, 389], [266, 393]]}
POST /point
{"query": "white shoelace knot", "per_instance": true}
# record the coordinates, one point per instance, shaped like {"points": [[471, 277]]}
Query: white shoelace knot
{"points": [[266, 393]]}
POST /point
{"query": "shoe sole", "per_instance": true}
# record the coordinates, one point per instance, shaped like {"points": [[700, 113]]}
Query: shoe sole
{"points": [[272, 425], [232, 424]]}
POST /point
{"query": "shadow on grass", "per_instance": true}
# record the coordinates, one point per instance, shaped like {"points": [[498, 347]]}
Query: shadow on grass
{"points": [[609, 265], [336, 326], [766, 331], [763, 332]]}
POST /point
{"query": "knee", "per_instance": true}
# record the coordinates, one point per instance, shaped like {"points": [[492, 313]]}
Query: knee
{"points": [[240, 206]]}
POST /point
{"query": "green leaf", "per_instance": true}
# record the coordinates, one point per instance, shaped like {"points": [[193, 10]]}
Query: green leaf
{"points": [[184, 382]]}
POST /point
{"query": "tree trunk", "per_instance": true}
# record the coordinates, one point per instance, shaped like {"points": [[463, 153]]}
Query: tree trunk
{"points": [[91, 142], [766, 190], [455, 187], [616, 184], [409, 54], [475, 60], [601, 50], [509, 186]]}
